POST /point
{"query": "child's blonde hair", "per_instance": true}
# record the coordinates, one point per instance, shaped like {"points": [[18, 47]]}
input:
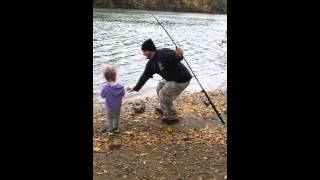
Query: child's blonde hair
{"points": [[110, 74]]}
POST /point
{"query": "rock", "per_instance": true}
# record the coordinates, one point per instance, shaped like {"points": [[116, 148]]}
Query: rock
{"points": [[116, 142], [125, 176], [139, 108], [95, 164]]}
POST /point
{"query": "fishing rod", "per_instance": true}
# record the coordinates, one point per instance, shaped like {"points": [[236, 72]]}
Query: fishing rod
{"points": [[203, 90]]}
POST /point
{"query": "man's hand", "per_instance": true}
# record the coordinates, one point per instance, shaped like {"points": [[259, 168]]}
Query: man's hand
{"points": [[130, 89], [179, 52]]}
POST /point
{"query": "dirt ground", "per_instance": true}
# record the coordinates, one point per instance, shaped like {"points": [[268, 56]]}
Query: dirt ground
{"points": [[195, 148]]}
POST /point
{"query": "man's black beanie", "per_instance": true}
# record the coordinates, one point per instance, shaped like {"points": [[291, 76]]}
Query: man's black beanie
{"points": [[148, 46]]}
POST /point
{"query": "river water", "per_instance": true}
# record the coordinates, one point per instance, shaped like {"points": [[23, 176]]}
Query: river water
{"points": [[118, 35]]}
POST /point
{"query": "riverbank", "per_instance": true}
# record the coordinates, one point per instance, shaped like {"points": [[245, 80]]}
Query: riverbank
{"points": [[195, 148]]}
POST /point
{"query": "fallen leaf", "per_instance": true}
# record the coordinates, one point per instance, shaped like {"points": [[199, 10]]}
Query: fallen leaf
{"points": [[97, 149]]}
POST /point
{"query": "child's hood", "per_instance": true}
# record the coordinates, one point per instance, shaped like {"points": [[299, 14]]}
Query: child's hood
{"points": [[116, 90]]}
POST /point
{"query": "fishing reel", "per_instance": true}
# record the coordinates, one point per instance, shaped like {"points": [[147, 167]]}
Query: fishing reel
{"points": [[206, 102]]}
